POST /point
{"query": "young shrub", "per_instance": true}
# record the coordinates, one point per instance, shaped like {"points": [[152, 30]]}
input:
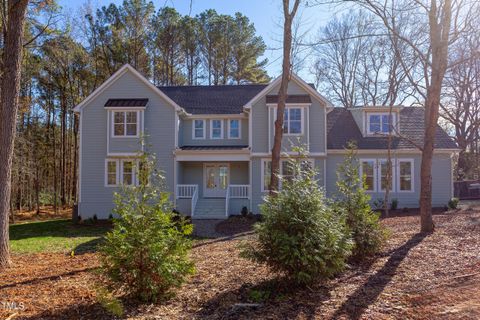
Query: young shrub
{"points": [[453, 203], [300, 236], [394, 204], [146, 253], [353, 203]]}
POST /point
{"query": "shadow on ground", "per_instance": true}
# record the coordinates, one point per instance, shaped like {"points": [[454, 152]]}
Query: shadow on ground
{"points": [[305, 303]]}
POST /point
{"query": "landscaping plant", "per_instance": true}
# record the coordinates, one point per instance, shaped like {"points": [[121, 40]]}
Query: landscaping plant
{"points": [[353, 204], [146, 253], [300, 236]]}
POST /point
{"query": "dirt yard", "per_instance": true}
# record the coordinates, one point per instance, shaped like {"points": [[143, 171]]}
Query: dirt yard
{"points": [[415, 277]]}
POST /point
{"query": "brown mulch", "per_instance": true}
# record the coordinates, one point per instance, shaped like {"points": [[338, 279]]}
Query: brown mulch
{"points": [[416, 276]]}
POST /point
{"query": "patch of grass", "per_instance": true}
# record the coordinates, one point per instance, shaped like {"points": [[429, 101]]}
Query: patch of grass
{"points": [[55, 236]]}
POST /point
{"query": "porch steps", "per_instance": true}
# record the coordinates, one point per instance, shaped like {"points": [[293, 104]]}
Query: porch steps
{"points": [[210, 208]]}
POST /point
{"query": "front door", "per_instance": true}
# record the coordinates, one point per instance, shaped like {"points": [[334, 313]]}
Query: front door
{"points": [[216, 180]]}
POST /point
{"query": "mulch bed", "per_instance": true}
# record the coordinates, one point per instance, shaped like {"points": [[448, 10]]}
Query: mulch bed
{"points": [[416, 276]]}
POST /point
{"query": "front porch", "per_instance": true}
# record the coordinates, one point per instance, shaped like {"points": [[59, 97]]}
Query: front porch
{"points": [[212, 189]]}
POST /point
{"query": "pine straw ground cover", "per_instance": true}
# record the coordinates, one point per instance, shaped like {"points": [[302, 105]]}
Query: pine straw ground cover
{"points": [[415, 277]]}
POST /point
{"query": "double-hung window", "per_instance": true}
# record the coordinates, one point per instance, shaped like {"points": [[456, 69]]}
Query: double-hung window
{"points": [[367, 170], [111, 173], [405, 175], [383, 173], [125, 123], [128, 173], [380, 123], [198, 129], [216, 129], [234, 129], [292, 121]]}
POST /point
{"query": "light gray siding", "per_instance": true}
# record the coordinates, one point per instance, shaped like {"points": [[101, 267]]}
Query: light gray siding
{"points": [[314, 125], [187, 140], [359, 118], [159, 123], [441, 179]]}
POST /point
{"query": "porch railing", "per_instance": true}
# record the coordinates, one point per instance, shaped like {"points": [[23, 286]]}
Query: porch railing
{"points": [[239, 191], [188, 191], [236, 191]]}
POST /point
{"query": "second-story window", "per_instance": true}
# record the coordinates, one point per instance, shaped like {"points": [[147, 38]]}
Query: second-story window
{"points": [[199, 129], [216, 129], [125, 124], [379, 123], [292, 121], [234, 129]]}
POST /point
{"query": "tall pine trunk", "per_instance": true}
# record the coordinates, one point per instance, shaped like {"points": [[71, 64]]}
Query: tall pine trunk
{"points": [[10, 88]]}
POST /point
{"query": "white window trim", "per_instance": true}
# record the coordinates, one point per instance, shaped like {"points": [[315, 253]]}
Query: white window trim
{"points": [[375, 172], [203, 131], [112, 115], [379, 175], [239, 129], [302, 122], [117, 178], [412, 173], [221, 129], [393, 122], [262, 180]]}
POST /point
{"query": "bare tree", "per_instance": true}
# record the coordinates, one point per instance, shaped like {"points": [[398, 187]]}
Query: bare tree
{"points": [[282, 93], [434, 25], [10, 87], [460, 106]]}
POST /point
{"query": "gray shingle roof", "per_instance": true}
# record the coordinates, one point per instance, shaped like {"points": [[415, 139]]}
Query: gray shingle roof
{"points": [[227, 99], [342, 128]]}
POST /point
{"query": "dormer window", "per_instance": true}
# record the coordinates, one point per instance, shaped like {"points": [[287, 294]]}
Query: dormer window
{"points": [[379, 123]]}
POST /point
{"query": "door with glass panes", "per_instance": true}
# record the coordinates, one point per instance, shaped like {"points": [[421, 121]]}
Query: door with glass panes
{"points": [[216, 180]]}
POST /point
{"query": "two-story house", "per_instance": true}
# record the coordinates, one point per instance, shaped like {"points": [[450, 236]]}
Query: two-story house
{"points": [[214, 143]]}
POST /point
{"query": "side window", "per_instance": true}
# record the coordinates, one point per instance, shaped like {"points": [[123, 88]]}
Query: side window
{"points": [[405, 175], [267, 171], [367, 169], [234, 129], [383, 171], [128, 174], [198, 129], [111, 173]]}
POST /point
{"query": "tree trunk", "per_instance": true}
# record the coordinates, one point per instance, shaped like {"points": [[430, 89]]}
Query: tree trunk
{"points": [[10, 87], [439, 38], [282, 93]]}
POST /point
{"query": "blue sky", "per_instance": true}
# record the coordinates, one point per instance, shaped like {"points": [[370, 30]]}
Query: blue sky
{"points": [[267, 16]]}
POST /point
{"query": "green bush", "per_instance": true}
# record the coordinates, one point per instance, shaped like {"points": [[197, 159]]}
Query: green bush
{"points": [[300, 236], [353, 204], [394, 204], [146, 253], [453, 203]]}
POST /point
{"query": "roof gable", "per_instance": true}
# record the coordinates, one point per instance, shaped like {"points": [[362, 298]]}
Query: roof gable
{"points": [[117, 75]]}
